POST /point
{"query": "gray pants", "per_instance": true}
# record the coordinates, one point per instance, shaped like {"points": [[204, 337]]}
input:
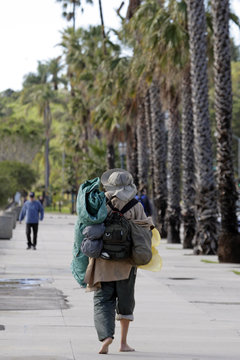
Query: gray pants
{"points": [[114, 296]]}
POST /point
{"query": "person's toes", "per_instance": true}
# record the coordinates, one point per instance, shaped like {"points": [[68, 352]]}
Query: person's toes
{"points": [[105, 345], [125, 348]]}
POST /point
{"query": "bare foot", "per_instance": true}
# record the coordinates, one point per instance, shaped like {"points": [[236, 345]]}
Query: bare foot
{"points": [[105, 345], [126, 347]]}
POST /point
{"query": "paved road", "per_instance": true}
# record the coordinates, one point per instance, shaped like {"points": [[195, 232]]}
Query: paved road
{"points": [[190, 310]]}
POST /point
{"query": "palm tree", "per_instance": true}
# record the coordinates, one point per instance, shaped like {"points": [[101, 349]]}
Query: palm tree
{"points": [[229, 240], [174, 155], [146, 57], [55, 67], [188, 176], [159, 156], [132, 8], [131, 156], [102, 25], [143, 120], [142, 143], [205, 240], [172, 20], [38, 91], [71, 15], [95, 75], [149, 133], [79, 47]]}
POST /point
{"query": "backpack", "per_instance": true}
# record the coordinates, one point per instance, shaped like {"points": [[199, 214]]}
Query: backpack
{"points": [[117, 240], [141, 244]]}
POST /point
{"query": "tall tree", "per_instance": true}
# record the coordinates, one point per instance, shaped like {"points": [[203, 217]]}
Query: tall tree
{"points": [[132, 8], [142, 120], [102, 22], [70, 15], [149, 133], [55, 68], [229, 240], [38, 91], [159, 157], [142, 152], [206, 234], [95, 76], [132, 162], [188, 168], [153, 53], [110, 137], [174, 156]]}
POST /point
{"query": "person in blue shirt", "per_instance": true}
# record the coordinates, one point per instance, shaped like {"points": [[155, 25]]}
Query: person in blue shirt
{"points": [[143, 199], [33, 210]]}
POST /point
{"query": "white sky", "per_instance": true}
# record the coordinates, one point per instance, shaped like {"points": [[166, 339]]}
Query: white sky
{"points": [[30, 30]]}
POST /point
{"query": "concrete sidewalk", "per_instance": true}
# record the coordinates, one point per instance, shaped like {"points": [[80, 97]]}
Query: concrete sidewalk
{"points": [[189, 310]]}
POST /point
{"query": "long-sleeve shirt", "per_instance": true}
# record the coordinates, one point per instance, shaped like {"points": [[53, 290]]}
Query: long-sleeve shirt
{"points": [[33, 211]]}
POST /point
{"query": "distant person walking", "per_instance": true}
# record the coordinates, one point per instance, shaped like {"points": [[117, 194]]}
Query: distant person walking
{"points": [[31, 209], [41, 199], [144, 200]]}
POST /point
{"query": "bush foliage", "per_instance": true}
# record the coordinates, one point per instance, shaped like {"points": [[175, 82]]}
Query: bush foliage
{"points": [[14, 176]]}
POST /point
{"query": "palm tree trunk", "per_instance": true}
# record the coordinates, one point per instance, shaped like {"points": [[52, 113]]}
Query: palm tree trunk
{"points": [[74, 16], [102, 26], [85, 131], [148, 120], [132, 8], [159, 158], [142, 149], [205, 240], [132, 162], [47, 124], [229, 240], [101, 17], [110, 155], [188, 175], [47, 165], [174, 154]]}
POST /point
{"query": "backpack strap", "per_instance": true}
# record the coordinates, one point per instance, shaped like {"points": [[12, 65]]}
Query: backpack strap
{"points": [[109, 203], [127, 207]]}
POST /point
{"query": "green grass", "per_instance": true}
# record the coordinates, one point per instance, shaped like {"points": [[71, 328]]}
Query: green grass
{"points": [[236, 272], [50, 209], [209, 261]]}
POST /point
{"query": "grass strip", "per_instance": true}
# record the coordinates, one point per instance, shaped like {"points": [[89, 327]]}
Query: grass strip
{"points": [[209, 261]]}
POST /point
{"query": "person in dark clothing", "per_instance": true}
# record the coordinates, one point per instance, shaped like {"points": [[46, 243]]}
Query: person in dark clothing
{"points": [[31, 209], [41, 199], [143, 198]]}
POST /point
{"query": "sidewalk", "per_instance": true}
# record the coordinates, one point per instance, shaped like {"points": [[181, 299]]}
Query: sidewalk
{"points": [[189, 310]]}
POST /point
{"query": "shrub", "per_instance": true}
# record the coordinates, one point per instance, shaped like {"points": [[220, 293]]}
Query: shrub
{"points": [[14, 176]]}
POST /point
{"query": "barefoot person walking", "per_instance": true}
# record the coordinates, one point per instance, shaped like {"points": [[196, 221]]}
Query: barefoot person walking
{"points": [[113, 281]]}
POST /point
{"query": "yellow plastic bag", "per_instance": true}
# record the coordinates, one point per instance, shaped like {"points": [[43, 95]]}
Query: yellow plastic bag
{"points": [[155, 263]]}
